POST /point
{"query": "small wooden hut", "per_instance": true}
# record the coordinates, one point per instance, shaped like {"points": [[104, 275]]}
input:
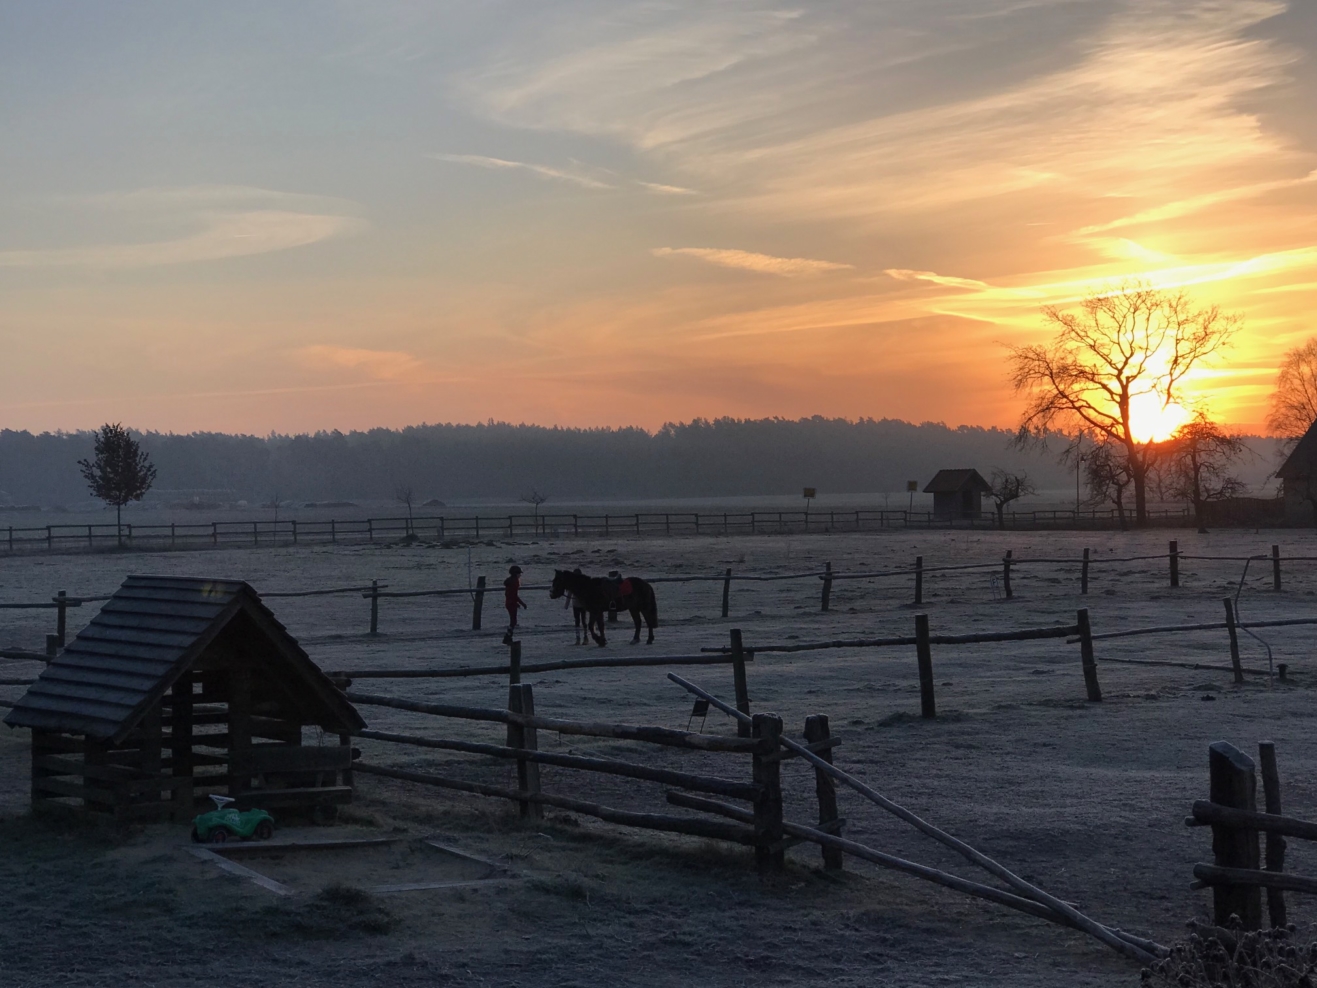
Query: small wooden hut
{"points": [[182, 687], [1298, 477], [957, 494]]}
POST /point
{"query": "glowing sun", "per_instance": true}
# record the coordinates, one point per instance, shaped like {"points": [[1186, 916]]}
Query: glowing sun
{"points": [[1151, 422]]}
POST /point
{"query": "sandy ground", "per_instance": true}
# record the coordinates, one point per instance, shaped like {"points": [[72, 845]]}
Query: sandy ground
{"points": [[1086, 800]]}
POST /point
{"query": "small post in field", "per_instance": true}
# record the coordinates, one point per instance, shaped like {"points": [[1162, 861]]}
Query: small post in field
{"points": [[1083, 574], [1234, 784], [374, 607], [919, 581], [1275, 851], [522, 701], [727, 591], [1275, 568], [1173, 554], [739, 683], [816, 729], [1006, 574], [1234, 640], [827, 586], [478, 603], [769, 852], [1086, 657], [924, 653]]}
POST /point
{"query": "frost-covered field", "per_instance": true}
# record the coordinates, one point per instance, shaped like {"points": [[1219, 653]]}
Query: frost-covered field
{"points": [[1087, 800]]}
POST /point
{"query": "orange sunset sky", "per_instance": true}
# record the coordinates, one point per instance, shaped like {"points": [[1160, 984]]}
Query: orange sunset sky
{"points": [[302, 216]]}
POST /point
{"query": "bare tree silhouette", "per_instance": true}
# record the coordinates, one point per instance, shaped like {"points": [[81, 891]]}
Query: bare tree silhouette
{"points": [[1121, 346], [1197, 466], [1008, 487], [1294, 402]]}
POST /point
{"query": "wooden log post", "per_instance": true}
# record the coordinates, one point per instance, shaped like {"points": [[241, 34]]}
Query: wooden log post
{"points": [[739, 681], [1233, 784], [1275, 568], [816, 730], [180, 744], [478, 603], [1083, 574], [61, 617], [522, 701], [727, 591], [827, 587], [1275, 848], [374, 607], [240, 728], [919, 581], [52, 646], [924, 653], [1282, 669], [769, 851], [1086, 657], [514, 664], [1006, 574], [1173, 555], [1232, 631]]}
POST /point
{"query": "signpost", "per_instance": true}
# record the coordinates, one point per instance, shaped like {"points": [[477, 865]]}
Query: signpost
{"points": [[810, 494], [912, 486]]}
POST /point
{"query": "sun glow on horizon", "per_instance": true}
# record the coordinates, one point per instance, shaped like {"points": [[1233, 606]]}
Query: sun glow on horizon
{"points": [[1153, 422]]}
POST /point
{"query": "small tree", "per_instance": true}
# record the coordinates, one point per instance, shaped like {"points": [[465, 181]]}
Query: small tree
{"points": [[535, 499], [1107, 474], [405, 496], [1008, 487], [1122, 349], [120, 472], [1197, 465], [1294, 402]]}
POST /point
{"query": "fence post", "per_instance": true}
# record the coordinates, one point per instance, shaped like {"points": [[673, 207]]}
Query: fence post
{"points": [[52, 646], [90, 543], [727, 590], [1086, 657], [374, 606], [827, 586], [256, 535], [214, 533], [816, 729], [370, 529], [924, 653], [171, 535], [742, 689], [919, 580], [522, 701], [1234, 640], [1275, 850], [1232, 783], [769, 852], [1083, 574], [478, 604], [1173, 554], [333, 531], [50, 538], [1006, 573], [1275, 579], [294, 524], [61, 616]]}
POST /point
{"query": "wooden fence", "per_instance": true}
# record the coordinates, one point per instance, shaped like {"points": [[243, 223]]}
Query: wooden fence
{"points": [[917, 576], [1240, 871], [291, 531]]}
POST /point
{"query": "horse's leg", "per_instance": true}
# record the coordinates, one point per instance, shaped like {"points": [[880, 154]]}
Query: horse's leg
{"points": [[597, 619], [635, 616]]}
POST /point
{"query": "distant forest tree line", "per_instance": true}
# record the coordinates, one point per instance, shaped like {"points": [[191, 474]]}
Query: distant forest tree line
{"points": [[702, 458]]}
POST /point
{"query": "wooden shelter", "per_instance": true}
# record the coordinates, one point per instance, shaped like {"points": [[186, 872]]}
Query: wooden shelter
{"points": [[181, 687], [957, 493], [1298, 476]]}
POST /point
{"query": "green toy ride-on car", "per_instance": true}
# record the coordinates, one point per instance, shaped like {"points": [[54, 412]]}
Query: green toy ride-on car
{"points": [[224, 822]]}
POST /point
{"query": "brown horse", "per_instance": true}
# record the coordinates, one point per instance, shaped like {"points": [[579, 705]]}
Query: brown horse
{"points": [[595, 595]]}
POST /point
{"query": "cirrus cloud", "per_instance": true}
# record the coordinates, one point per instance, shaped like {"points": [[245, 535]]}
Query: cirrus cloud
{"points": [[744, 260]]}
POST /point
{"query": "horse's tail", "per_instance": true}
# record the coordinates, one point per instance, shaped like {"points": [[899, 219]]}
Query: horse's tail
{"points": [[651, 604]]}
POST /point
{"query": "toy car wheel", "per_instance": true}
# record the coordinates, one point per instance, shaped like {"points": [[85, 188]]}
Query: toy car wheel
{"points": [[196, 837], [219, 835], [264, 830]]}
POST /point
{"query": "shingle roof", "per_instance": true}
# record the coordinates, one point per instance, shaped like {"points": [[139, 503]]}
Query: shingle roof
{"points": [[951, 481], [1302, 461], [146, 636]]}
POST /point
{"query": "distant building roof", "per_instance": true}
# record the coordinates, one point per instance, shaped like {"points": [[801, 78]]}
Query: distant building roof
{"points": [[1302, 461], [148, 635], [953, 481]]}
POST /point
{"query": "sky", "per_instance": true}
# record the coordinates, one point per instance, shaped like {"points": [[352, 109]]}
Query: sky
{"points": [[255, 217]]}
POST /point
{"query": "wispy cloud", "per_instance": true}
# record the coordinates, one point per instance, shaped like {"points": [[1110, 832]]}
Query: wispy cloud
{"points": [[227, 221], [904, 274], [666, 190], [544, 171], [785, 267], [379, 365]]}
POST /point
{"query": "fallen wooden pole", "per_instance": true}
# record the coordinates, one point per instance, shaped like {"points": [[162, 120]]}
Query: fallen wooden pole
{"points": [[608, 766], [693, 826], [1030, 891]]}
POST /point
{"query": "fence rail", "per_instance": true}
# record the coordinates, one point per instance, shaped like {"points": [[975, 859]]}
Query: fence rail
{"points": [[291, 531]]}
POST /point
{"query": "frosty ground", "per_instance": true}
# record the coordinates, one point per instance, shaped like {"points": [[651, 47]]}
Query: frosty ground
{"points": [[1087, 800]]}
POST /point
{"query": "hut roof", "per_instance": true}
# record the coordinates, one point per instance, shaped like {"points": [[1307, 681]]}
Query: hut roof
{"points": [[1302, 461], [953, 481], [145, 637]]}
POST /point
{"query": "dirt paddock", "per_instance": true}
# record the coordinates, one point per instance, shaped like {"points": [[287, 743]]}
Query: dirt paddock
{"points": [[1086, 800]]}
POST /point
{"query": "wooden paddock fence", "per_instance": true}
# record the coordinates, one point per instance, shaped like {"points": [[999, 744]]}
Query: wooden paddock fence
{"points": [[917, 576], [68, 537], [1240, 870]]}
